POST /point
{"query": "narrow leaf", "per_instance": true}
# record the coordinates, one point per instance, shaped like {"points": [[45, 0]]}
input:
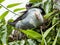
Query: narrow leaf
{"points": [[13, 5], [4, 14], [48, 30], [1, 1], [18, 9], [32, 34], [35, 1], [43, 41], [54, 43], [50, 14]]}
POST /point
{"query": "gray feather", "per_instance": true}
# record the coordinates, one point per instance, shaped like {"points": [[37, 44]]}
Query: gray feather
{"points": [[30, 21]]}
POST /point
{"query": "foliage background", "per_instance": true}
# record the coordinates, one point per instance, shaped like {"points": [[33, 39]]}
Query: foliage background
{"points": [[50, 37]]}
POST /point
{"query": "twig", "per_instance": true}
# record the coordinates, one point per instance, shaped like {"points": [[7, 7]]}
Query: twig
{"points": [[8, 9]]}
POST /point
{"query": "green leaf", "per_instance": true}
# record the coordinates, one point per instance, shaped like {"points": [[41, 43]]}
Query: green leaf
{"points": [[43, 41], [13, 5], [48, 6], [1, 1], [54, 20], [0, 7], [35, 1], [48, 30], [54, 43], [32, 34], [10, 20], [31, 42], [9, 29], [4, 14], [18, 9], [50, 14], [14, 43], [4, 35]]}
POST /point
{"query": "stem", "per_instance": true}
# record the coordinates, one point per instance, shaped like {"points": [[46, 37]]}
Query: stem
{"points": [[8, 9]]}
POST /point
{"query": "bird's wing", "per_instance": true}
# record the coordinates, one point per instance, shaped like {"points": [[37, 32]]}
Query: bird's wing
{"points": [[21, 17]]}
